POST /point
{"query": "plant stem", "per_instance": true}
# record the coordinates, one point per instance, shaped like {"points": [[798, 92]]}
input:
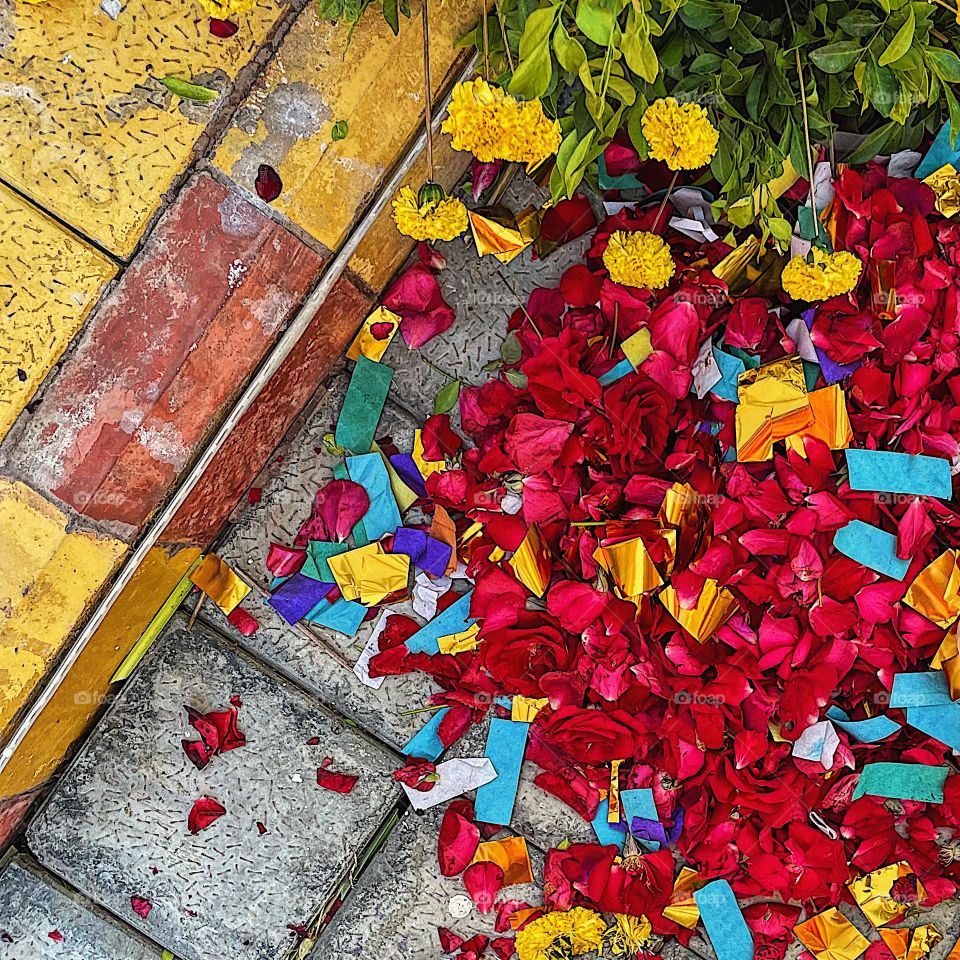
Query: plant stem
{"points": [[506, 283], [486, 44], [503, 31], [663, 202], [428, 96]]}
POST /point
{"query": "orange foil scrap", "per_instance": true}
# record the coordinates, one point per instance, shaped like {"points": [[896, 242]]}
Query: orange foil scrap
{"points": [[831, 936], [936, 592], [713, 608], [773, 406]]}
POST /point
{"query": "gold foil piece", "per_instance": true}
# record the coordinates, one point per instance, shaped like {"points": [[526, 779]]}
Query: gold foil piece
{"points": [[613, 795], [497, 232], [714, 607], [883, 288], [872, 893], [935, 593], [426, 467], [683, 908], [630, 566], [751, 269], [525, 709], [460, 642], [531, 562], [946, 185], [369, 574], [219, 583], [912, 944], [948, 648], [951, 670], [831, 422], [510, 855], [773, 405], [831, 936], [365, 344], [637, 347]]}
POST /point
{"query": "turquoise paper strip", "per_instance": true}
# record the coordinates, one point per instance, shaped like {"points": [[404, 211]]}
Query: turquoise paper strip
{"points": [[871, 546], [426, 742], [344, 616], [607, 833], [886, 472], [363, 405], [383, 515], [455, 619], [866, 731], [902, 781], [728, 931], [506, 742]]}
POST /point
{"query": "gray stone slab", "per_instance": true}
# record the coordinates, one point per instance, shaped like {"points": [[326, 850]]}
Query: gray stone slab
{"points": [[34, 905], [401, 900], [483, 302], [285, 504], [116, 825]]}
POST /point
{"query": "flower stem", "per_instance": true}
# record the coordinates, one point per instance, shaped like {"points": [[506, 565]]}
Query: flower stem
{"points": [[503, 31], [428, 96], [486, 43], [506, 283], [663, 202]]}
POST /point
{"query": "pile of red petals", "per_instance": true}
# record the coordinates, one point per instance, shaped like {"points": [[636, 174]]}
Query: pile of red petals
{"points": [[709, 727]]}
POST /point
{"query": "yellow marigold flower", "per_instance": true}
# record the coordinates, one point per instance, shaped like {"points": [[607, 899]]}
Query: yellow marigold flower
{"points": [[627, 936], [639, 259], [436, 220], [826, 275], [557, 936], [492, 125], [224, 9], [679, 134]]}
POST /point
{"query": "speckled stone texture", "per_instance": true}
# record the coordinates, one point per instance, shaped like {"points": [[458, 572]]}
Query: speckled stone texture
{"points": [[33, 906], [395, 909], [116, 826], [285, 504]]}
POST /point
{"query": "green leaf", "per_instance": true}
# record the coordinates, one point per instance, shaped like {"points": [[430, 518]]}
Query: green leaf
{"points": [[859, 23], [641, 57], [781, 230], [391, 13], [597, 19], [446, 397], [339, 131], [699, 14], [532, 76], [517, 378], [901, 42], [510, 350], [881, 87], [872, 145], [944, 63], [167, 955], [836, 57], [571, 56], [189, 91]]}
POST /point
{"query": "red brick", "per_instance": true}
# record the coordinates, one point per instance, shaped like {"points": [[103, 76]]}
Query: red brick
{"points": [[249, 446], [171, 345]]}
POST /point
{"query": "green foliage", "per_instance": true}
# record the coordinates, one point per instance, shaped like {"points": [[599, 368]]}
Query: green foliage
{"points": [[353, 10], [884, 69], [339, 130]]}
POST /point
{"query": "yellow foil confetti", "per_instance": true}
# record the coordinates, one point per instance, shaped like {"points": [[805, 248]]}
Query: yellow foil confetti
{"points": [[948, 649], [714, 607], [773, 405], [510, 854], [375, 335], [531, 562], [915, 944], [683, 908], [219, 583], [630, 566], [946, 185], [369, 574], [498, 233], [525, 709], [831, 422], [831, 936], [872, 893], [460, 642], [935, 593], [426, 467], [637, 348], [613, 796]]}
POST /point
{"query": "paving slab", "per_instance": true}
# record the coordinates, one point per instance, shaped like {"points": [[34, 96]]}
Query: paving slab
{"points": [[116, 825], [285, 504], [87, 130], [41, 919], [483, 302], [50, 281], [400, 901]]}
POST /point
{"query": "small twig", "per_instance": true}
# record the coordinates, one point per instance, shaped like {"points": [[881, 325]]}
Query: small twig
{"points": [[520, 302], [486, 43], [503, 32], [196, 611], [428, 95], [430, 363], [663, 203], [613, 333]]}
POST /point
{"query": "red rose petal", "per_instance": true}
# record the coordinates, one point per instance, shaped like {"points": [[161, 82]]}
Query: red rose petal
{"points": [[334, 781], [483, 882], [204, 812], [268, 184], [141, 906], [457, 842], [223, 29]]}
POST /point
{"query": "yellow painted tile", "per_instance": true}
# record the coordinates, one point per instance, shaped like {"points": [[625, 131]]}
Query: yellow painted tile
{"points": [[86, 129], [382, 251], [49, 282], [375, 84], [70, 712], [47, 577]]}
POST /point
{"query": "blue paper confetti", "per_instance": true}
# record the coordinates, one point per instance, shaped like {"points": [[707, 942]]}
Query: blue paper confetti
{"points": [[455, 619], [506, 743], [886, 472], [383, 515], [426, 742], [728, 931], [871, 546]]}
